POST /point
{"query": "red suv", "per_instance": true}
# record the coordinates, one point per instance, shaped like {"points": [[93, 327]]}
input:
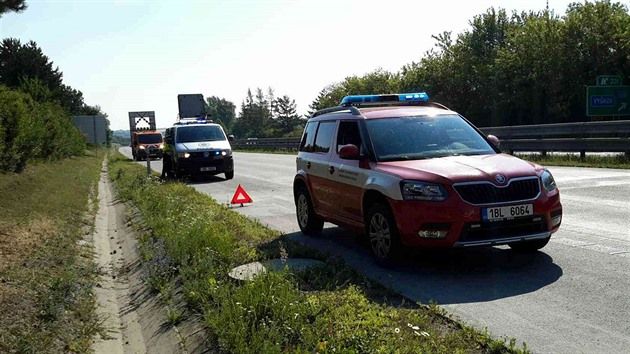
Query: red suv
{"points": [[411, 172]]}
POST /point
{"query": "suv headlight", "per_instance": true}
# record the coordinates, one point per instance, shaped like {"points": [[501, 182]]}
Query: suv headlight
{"points": [[183, 154], [412, 190], [141, 147], [226, 153], [547, 180]]}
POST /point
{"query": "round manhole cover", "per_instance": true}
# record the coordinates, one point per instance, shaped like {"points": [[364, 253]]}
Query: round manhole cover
{"points": [[250, 270]]}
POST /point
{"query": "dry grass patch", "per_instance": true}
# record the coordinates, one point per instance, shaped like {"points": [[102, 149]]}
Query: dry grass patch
{"points": [[46, 276], [17, 241]]}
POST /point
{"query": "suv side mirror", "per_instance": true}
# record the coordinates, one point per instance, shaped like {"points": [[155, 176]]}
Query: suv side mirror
{"points": [[349, 152], [494, 140], [168, 141], [230, 137]]}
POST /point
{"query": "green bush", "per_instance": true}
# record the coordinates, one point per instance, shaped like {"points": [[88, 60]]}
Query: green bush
{"points": [[15, 108], [34, 131]]}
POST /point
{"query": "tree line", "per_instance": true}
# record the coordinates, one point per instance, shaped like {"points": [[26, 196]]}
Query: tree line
{"points": [[523, 68], [36, 108], [262, 115], [505, 69]]}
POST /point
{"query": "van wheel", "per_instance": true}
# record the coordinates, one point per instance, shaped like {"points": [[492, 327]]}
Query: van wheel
{"points": [[529, 246], [382, 233], [229, 175], [309, 222]]}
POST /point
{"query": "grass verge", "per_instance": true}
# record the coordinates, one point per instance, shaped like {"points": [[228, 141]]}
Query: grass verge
{"points": [[46, 275], [574, 160], [192, 242]]}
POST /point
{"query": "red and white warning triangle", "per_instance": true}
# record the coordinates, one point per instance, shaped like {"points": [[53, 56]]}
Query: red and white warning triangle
{"points": [[240, 196]]}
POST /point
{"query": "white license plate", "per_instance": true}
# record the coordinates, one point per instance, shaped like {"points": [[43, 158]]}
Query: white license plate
{"points": [[507, 212], [206, 169]]}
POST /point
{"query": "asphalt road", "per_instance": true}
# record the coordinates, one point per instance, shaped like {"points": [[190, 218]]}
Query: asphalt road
{"points": [[572, 297]]}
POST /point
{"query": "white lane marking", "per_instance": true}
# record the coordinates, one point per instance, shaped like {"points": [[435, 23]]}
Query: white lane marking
{"points": [[570, 242], [598, 201], [584, 178], [597, 184], [590, 246], [604, 249]]}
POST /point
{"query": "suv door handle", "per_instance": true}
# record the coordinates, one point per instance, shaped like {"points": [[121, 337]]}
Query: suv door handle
{"points": [[331, 169], [308, 164]]}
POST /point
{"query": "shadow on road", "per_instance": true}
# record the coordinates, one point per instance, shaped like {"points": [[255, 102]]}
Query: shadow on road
{"points": [[196, 180], [450, 276]]}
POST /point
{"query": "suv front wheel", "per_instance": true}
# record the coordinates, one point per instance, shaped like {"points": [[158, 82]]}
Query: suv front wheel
{"points": [[310, 223], [382, 232]]}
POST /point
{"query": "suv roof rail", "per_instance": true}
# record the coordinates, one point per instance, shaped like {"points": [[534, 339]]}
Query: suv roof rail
{"points": [[435, 105], [352, 109]]}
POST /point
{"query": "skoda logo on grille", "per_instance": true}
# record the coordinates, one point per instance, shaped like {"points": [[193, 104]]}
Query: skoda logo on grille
{"points": [[206, 154], [500, 178]]}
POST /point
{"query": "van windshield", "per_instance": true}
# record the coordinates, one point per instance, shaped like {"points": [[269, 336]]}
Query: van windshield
{"points": [[200, 133], [149, 138], [422, 137]]}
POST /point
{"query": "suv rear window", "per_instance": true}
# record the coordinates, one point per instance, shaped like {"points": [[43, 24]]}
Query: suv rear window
{"points": [[309, 137], [324, 136]]}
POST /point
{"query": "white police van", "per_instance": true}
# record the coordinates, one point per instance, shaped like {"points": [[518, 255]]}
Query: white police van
{"points": [[197, 146]]}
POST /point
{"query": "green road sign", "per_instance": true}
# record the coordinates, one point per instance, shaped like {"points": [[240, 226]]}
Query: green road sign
{"points": [[609, 80], [608, 101]]}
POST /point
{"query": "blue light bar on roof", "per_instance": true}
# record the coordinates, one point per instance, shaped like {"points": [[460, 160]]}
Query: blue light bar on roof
{"points": [[404, 97]]}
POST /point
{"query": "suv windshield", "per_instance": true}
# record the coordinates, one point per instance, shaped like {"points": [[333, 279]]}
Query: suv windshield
{"points": [[200, 133], [149, 138], [414, 138]]}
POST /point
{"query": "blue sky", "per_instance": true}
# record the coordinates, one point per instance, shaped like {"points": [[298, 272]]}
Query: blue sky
{"points": [[139, 55]]}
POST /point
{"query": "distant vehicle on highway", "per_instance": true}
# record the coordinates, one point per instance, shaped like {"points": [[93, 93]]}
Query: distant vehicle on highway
{"points": [[410, 172], [145, 141], [146, 144], [196, 146]]}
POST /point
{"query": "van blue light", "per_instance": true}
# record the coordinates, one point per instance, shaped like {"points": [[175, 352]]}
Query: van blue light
{"points": [[404, 97]]}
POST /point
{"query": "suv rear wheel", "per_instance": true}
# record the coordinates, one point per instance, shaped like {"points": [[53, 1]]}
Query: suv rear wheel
{"points": [[309, 222], [382, 233]]}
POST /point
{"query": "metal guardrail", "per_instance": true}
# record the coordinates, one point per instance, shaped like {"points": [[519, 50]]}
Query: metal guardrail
{"points": [[267, 143], [611, 136]]}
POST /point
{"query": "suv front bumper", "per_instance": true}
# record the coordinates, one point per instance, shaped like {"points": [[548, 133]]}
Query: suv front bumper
{"points": [[466, 227]]}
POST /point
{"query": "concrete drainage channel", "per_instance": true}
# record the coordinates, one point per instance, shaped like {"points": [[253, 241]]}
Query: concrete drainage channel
{"points": [[135, 319]]}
